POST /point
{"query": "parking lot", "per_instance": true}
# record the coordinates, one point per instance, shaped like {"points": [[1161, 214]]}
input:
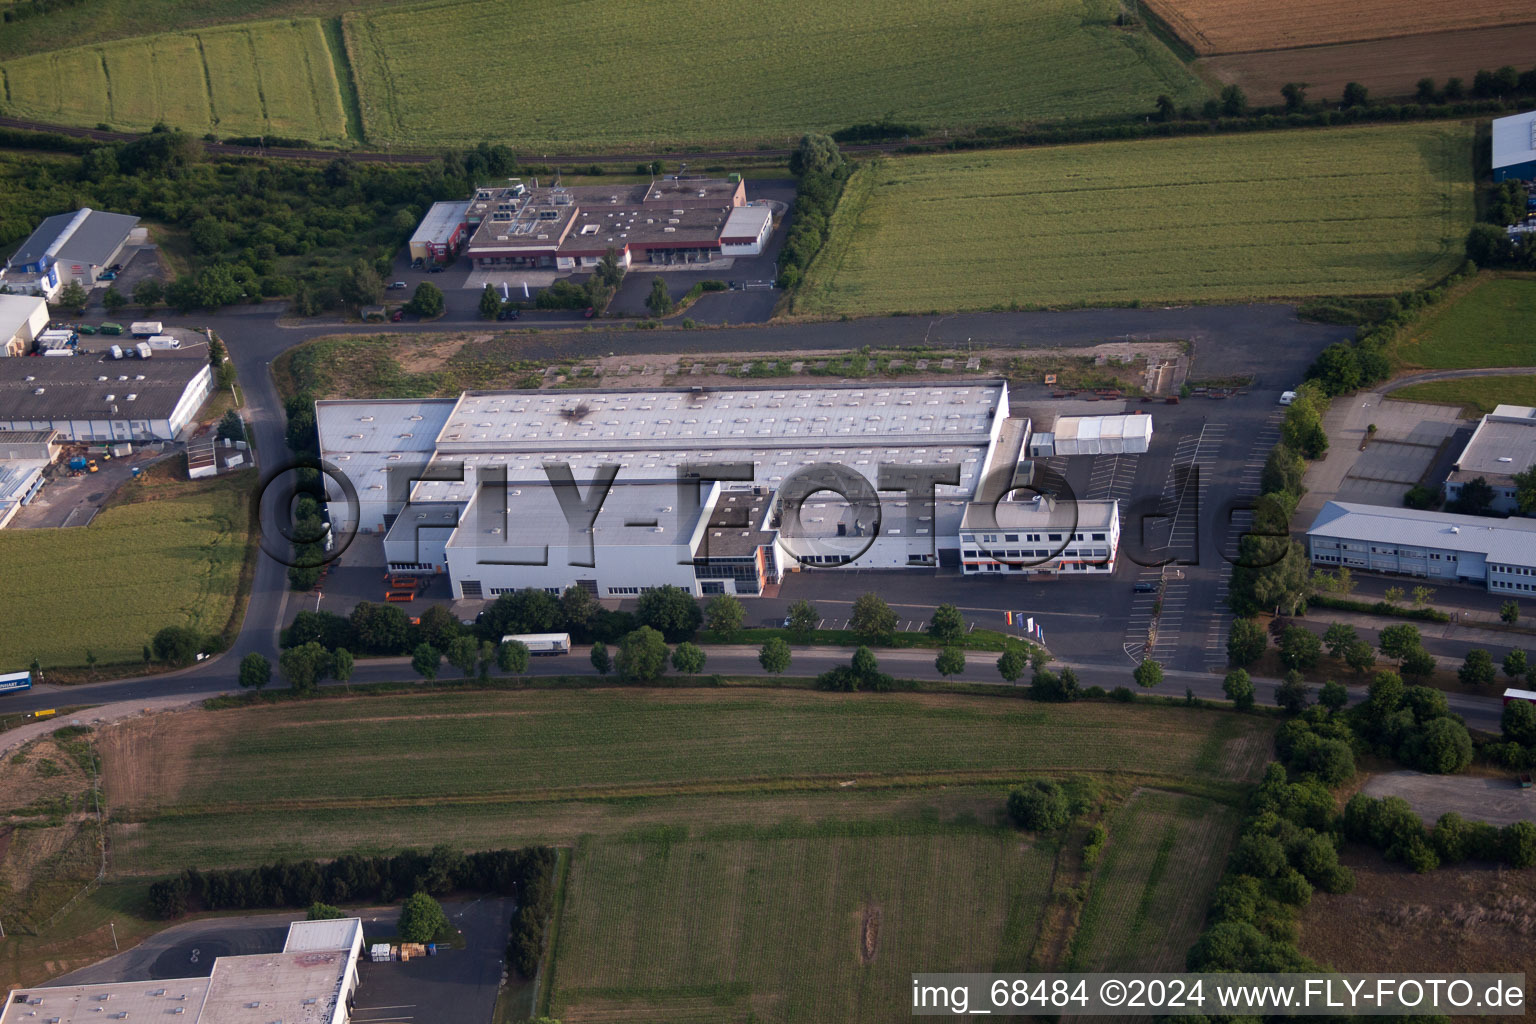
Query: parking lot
{"points": [[74, 500]]}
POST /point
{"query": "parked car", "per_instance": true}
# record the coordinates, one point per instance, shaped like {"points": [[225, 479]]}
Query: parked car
{"points": [[115, 268], [437, 268], [85, 329], [588, 314], [107, 275], [399, 315], [417, 263], [396, 284], [1287, 397], [1146, 587]]}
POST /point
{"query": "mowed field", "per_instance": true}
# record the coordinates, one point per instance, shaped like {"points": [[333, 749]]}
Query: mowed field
{"points": [[1147, 901], [1239, 26], [271, 77], [170, 557], [504, 768], [1476, 395], [1488, 325], [789, 928], [1271, 215], [692, 72]]}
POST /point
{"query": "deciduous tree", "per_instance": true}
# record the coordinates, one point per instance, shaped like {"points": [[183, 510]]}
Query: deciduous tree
{"points": [[775, 655], [642, 656], [872, 618], [255, 671]]}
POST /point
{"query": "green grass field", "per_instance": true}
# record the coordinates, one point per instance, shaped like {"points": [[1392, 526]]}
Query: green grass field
{"points": [[499, 768], [1489, 325], [268, 77], [1272, 215], [665, 928], [1477, 396], [690, 73], [1148, 896], [171, 556]]}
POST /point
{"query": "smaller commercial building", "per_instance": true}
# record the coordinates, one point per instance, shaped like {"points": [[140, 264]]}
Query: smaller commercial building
{"points": [[1503, 445], [1514, 146], [311, 981], [22, 319], [68, 247], [1039, 536], [746, 231], [1130, 434], [441, 232], [1499, 553], [93, 397]]}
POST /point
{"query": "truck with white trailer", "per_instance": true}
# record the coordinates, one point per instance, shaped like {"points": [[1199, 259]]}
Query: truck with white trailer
{"points": [[146, 328], [542, 643]]}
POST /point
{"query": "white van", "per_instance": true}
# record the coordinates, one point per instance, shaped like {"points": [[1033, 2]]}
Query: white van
{"points": [[1287, 397]]}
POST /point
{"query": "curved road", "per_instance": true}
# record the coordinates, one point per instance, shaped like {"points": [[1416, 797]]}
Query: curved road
{"points": [[1271, 339], [1434, 375]]}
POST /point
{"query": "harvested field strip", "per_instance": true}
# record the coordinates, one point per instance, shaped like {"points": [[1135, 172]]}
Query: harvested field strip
{"points": [[1148, 897], [1237, 26], [653, 738], [666, 927], [273, 77], [264, 835], [1477, 395], [1268, 215], [1387, 67]]}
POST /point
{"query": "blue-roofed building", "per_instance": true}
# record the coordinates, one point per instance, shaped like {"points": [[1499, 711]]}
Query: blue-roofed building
{"points": [[68, 247]]}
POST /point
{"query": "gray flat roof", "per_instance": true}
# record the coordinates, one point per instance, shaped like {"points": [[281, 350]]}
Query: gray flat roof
{"points": [[1503, 444], [1499, 540], [441, 221], [1045, 515], [79, 386], [533, 518], [734, 525], [78, 1004], [82, 236], [745, 223], [27, 436], [1514, 139]]}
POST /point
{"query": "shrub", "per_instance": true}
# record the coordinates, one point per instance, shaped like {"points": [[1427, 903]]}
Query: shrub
{"points": [[1039, 805], [421, 919]]}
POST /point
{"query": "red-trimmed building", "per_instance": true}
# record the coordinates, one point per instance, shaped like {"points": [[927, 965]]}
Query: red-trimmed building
{"points": [[669, 221]]}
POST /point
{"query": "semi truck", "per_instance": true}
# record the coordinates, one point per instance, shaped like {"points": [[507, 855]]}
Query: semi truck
{"points": [[542, 643], [14, 681], [145, 328]]}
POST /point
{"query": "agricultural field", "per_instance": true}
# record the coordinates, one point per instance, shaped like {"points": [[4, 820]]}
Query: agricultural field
{"points": [[1262, 216], [641, 74], [272, 77], [789, 928], [170, 553], [1477, 396], [1487, 325], [507, 768], [1148, 896], [1387, 67], [1237, 26]]}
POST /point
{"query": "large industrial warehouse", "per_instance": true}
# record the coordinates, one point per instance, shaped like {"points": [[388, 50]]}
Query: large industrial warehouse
{"points": [[93, 397], [876, 476], [68, 247]]}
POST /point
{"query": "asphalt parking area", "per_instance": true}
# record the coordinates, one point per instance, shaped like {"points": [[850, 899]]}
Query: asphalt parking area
{"points": [[454, 986]]}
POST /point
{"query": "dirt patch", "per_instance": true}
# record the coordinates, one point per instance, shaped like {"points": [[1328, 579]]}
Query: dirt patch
{"points": [[869, 933], [1239, 26], [1388, 67], [39, 771], [1453, 919], [1496, 799], [147, 761], [425, 353]]}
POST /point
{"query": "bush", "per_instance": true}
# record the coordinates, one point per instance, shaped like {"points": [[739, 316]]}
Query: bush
{"points": [[421, 919], [1517, 844], [1040, 805]]}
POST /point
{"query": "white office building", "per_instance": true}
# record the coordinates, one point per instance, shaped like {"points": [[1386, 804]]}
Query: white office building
{"points": [[1039, 535], [311, 981], [1498, 553]]}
